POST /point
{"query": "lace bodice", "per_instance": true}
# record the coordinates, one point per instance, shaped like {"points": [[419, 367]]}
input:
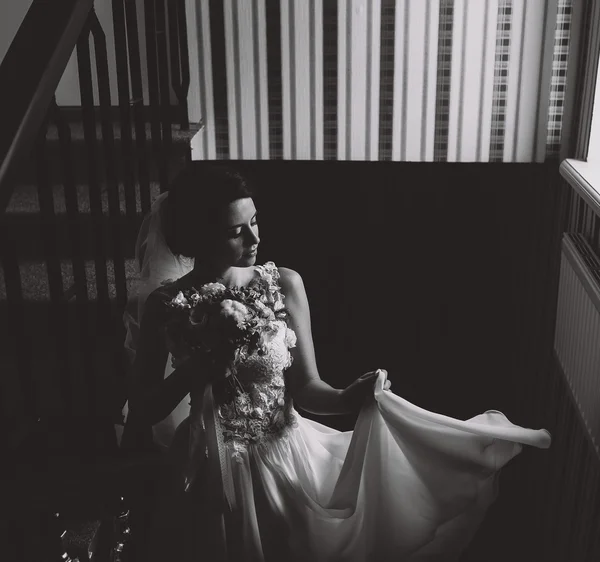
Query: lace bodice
{"points": [[252, 403]]}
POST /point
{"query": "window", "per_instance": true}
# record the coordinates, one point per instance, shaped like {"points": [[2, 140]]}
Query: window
{"points": [[594, 146], [584, 175]]}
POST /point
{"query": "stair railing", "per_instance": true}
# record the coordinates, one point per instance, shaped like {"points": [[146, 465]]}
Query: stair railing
{"points": [[117, 166]]}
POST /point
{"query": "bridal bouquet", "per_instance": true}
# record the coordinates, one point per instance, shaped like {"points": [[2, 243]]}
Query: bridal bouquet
{"points": [[226, 324]]}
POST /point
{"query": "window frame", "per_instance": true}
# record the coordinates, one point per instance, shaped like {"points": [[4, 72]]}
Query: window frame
{"points": [[578, 169]]}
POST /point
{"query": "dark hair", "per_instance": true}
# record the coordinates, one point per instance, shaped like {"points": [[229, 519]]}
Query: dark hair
{"points": [[197, 197]]}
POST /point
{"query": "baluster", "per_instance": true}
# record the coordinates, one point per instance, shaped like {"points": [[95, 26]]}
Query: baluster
{"points": [[573, 197], [58, 312], [137, 105], [180, 66], [122, 70], [153, 89], [26, 401], [108, 140], [165, 92], [79, 288], [581, 214], [595, 235], [75, 234], [91, 141]]}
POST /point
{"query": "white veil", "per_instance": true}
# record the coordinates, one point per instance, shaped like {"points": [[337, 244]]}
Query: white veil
{"points": [[157, 264]]}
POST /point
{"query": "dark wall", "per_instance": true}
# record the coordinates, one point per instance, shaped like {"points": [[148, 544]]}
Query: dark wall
{"points": [[422, 269]]}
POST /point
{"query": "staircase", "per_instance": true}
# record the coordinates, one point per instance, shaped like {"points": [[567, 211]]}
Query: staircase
{"points": [[80, 474], [26, 225]]}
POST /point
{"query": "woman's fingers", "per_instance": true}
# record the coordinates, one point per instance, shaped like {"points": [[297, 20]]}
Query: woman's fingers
{"points": [[373, 374]]}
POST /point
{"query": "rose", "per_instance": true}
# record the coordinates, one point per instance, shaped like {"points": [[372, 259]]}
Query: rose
{"points": [[235, 311], [268, 277], [290, 338], [278, 303], [180, 301], [212, 289], [265, 311]]}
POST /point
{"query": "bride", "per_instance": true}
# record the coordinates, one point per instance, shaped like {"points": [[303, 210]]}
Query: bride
{"points": [[250, 478]]}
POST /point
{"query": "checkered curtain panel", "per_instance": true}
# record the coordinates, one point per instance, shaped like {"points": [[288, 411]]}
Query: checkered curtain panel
{"points": [[404, 80]]}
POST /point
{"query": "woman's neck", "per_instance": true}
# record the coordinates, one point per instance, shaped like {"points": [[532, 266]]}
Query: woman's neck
{"points": [[229, 276], [207, 273]]}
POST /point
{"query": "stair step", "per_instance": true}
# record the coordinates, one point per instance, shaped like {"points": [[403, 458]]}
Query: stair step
{"points": [[25, 222], [35, 286], [25, 198], [78, 154], [76, 129]]}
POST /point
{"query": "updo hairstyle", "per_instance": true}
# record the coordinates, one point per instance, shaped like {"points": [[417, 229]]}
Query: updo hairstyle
{"points": [[196, 200]]}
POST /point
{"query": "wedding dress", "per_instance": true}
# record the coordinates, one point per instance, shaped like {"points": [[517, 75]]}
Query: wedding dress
{"points": [[405, 485], [253, 480]]}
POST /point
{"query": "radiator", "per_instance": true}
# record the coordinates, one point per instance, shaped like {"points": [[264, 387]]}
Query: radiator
{"points": [[577, 335]]}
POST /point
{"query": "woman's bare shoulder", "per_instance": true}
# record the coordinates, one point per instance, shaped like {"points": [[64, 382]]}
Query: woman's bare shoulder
{"points": [[292, 285], [289, 278]]}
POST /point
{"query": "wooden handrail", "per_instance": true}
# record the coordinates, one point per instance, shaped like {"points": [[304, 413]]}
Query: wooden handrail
{"points": [[29, 76]]}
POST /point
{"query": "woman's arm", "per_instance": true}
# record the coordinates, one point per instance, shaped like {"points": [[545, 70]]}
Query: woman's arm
{"points": [[306, 387], [152, 397]]}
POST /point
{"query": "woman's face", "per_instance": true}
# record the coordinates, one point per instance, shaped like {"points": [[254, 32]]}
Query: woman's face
{"points": [[237, 240]]}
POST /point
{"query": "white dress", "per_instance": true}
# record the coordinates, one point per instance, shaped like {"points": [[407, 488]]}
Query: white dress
{"points": [[405, 485]]}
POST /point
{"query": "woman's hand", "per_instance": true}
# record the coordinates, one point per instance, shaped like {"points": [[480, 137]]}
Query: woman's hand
{"points": [[353, 396]]}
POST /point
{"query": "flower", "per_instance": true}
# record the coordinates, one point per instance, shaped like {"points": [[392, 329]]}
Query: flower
{"points": [[278, 303], [268, 277], [212, 289], [235, 310], [243, 400], [244, 332], [180, 301], [265, 311], [290, 338], [255, 426]]}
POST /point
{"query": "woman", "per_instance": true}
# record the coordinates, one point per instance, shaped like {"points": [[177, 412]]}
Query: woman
{"points": [[253, 479]]}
